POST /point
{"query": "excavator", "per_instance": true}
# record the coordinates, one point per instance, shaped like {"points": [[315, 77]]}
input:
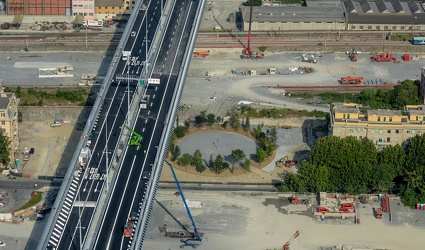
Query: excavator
{"points": [[288, 243], [135, 139]]}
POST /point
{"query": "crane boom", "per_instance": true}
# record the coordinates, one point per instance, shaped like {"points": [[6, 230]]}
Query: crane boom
{"points": [[198, 237], [135, 138], [288, 243]]}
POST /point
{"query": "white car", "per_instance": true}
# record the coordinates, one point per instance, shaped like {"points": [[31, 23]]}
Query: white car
{"points": [[133, 33], [2, 244]]}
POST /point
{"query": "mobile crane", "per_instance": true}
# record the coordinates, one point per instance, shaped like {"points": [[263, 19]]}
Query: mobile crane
{"points": [[288, 243], [135, 139], [247, 52], [197, 240]]}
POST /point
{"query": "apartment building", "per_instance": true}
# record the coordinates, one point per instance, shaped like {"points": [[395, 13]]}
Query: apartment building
{"points": [[9, 120], [382, 126], [113, 9]]}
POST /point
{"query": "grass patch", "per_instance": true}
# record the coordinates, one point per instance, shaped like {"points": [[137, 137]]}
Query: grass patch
{"points": [[289, 1], [279, 113], [34, 200]]}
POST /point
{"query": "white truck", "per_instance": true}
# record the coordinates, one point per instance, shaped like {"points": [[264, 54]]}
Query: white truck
{"points": [[55, 124], [126, 55]]}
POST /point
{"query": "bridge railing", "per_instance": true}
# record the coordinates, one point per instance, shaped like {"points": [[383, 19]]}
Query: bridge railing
{"points": [[48, 229], [165, 138]]}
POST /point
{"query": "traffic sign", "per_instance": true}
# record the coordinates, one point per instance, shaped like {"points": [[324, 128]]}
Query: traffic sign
{"points": [[153, 80]]}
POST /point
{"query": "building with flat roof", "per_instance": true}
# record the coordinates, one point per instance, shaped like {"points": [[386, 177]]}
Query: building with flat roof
{"points": [[382, 126], [317, 15], [114, 9], [9, 120]]}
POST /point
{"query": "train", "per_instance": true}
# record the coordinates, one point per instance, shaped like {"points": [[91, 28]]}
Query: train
{"points": [[418, 40]]}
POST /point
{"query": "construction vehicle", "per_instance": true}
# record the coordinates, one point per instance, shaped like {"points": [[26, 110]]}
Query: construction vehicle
{"points": [[281, 162], [182, 234], [294, 199], [247, 52], [202, 53], [290, 163], [128, 229], [322, 210], [309, 59], [351, 80], [288, 243], [352, 55], [193, 241], [384, 57], [135, 139], [378, 213]]}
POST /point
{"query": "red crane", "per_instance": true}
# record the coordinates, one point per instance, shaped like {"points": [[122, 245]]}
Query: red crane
{"points": [[288, 243], [248, 54]]}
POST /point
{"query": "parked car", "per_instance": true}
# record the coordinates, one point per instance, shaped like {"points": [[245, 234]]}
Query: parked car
{"points": [[2, 244]]}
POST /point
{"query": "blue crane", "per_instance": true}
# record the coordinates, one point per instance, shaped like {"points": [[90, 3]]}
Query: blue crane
{"points": [[194, 241]]}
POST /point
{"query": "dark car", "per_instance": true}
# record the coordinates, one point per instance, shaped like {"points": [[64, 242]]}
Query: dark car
{"points": [[146, 174], [32, 150]]}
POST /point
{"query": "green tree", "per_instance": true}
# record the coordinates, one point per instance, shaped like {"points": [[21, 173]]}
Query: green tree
{"points": [[211, 119], [261, 155], [255, 3], [247, 164], [197, 161], [176, 153], [4, 149], [185, 160], [237, 155], [180, 131], [218, 164], [247, 123], [234, 122], [211, 161]]}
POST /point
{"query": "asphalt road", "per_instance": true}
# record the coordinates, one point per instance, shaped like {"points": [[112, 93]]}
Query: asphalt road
{"points": [[130, 188], [76, 214]]}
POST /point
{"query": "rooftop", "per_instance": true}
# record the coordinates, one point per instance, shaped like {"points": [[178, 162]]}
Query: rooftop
{"points": [[390, 18], [384, 112], [316, 11], [341, 107], [109, 3], [382, 6], [415, 109]]}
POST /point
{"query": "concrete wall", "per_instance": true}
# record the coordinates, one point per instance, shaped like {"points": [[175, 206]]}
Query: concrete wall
{"points": [[48, 114]]}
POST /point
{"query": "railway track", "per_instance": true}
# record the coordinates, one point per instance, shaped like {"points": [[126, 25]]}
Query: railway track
{"points": [[322, 88]]}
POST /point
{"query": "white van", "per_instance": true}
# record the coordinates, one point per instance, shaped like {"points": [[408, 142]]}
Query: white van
{"points": [[126, 55]]}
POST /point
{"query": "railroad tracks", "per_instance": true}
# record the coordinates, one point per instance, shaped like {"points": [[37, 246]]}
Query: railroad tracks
{"points": [[322, 88]]}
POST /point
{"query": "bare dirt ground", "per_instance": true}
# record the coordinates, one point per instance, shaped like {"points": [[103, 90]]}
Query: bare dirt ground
{"points": [[49, 143]]}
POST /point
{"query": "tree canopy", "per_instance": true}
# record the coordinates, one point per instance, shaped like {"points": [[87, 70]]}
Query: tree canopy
{"points": [[354, 166], [4, 149]]}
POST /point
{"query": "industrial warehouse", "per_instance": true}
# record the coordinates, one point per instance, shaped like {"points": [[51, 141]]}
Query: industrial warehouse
{"points": [[345, 15]]}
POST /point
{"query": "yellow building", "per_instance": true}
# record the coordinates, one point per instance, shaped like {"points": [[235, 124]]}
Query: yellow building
{"points": [[382, 126], [113, 9], [9, 120]]}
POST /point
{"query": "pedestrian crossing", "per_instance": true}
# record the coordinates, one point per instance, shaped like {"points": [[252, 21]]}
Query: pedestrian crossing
{"points": [[64, 213]]}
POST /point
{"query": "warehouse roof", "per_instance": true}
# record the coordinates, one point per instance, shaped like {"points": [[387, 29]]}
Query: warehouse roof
{"points": [[382, 6], [386, 18], [316, 11]]}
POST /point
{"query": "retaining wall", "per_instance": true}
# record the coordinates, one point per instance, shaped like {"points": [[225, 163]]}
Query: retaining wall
{"points": [[43, 114]]}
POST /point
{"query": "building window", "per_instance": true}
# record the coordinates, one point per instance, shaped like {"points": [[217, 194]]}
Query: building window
{"points": [[343, 116], [348, 116], [417, 118], [413, 131], [127, 2], [397, 131], [339, 130], [385, 119], [378, 27], [394, 27], [3, 123], [396, 139], [361, 27], [360, 137], [402, 27], [408, 131], [3, 130], [369, 27], [351, 130], [388, 139], [389, 131], [379, 118], [381, 131], [385, 27], [391, 118], [423, 118], [113, 8], [373, 131], [126, 8], [353, 27]]}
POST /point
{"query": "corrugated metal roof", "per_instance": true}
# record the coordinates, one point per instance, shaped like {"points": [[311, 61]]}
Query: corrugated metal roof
{"points": [[413, 6]]}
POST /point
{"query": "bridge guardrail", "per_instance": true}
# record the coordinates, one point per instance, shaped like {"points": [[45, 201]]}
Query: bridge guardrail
{"points": [[163, 147], [48, 229]]}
